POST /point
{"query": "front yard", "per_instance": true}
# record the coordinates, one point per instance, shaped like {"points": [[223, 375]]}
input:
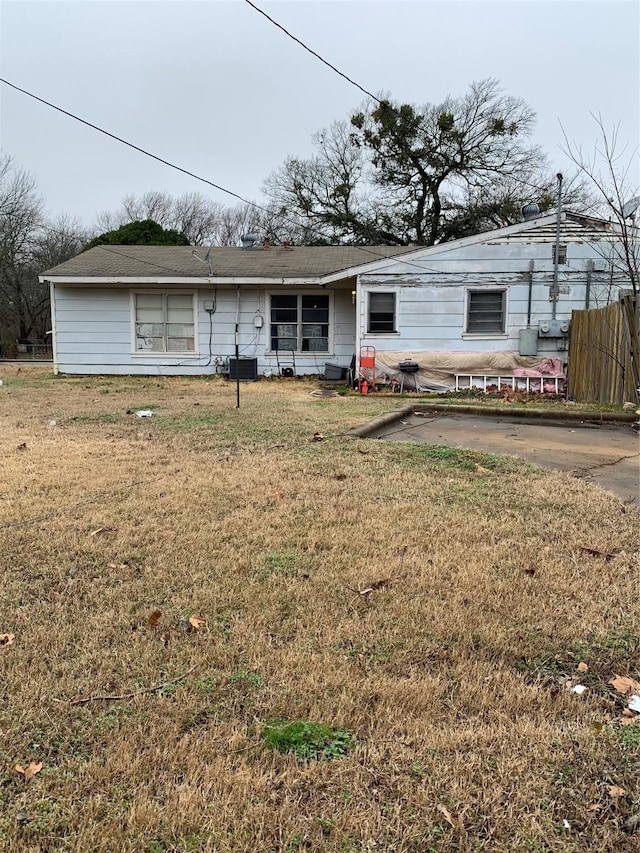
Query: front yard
{"points": [[176, 587]]}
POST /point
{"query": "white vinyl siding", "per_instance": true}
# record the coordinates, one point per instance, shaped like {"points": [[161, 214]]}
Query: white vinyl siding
{"points": [[164, 322]]}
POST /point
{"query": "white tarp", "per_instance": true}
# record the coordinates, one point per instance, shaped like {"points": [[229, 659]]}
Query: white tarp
{"points": [[438, 369]]}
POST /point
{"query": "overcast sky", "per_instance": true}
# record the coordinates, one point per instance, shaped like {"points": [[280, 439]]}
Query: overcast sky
{"points": [[217, 89]]}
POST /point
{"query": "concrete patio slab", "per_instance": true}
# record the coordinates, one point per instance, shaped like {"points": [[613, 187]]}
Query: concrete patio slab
{"points": [[605, 454]]}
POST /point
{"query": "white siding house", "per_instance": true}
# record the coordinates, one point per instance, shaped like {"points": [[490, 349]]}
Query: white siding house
{"points": [[150, 309]]}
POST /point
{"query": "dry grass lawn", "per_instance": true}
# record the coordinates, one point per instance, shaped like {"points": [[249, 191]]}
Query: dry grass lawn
{"points": [[451, 673]]}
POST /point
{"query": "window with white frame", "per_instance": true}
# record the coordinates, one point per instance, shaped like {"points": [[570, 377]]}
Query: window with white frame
{"points": [[381, 317], [486, 311], [300, 322], [164, 322]]}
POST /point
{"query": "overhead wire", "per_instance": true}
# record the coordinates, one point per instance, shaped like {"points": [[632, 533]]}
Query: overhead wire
{"points": [[353, 82], [197, 177], [314, 53]]}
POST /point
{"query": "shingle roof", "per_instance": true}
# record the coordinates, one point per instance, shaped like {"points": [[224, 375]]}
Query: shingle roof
{"points": [[167, 261]]}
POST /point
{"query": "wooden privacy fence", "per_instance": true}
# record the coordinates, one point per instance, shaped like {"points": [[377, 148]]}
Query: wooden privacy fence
{"points": [[604, 353]]}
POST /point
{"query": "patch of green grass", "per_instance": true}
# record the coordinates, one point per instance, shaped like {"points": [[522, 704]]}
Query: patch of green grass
{"points": [[246, 679], [98, 418], [208, 683], [308, 740], [418, 456], [275, 563], [629, 736]]}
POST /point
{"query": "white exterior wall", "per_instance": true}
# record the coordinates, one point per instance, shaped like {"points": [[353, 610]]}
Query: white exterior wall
{"points": [[431, 294], [93, 332]]}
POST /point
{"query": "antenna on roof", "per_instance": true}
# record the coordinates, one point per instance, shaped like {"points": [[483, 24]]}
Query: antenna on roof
{"points": [[629, 208], [206, 259]]}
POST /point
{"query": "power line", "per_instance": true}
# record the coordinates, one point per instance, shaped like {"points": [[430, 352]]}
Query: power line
{"points": [[180, 168], [197, 177], [131, 145], [354, 83], [313, 52]]}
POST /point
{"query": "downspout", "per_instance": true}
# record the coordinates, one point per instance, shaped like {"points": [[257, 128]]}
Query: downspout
{"points": [[587, 295], [555, 291], [237, 346], [530, 296], [54, 329]]}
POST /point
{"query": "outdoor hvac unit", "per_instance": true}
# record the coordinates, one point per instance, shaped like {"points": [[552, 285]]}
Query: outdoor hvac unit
{"points": [[245, 369]]}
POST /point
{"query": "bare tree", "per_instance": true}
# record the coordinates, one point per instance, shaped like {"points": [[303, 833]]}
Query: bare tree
{"points": [[29, 244], [21, 213], [609, 168], [401, 174], [201, 219]]}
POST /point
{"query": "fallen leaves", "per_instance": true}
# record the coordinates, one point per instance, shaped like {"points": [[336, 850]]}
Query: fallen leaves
{"points": [[197, 622], [452, 820], [7, 639], [583, 667], [480, 469], [30, 771], [153, 618], [624, 685], [616, 791]]}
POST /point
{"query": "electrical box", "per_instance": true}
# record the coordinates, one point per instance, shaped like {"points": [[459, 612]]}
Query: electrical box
{"points": [[553, 328], [528, 342], [258, 321], [209, 306]]}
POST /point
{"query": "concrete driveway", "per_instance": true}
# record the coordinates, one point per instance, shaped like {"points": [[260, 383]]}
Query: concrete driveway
{"points": [[605, 454]]}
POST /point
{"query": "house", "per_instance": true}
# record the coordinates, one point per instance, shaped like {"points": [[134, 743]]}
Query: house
{"points": [[487, 304]]}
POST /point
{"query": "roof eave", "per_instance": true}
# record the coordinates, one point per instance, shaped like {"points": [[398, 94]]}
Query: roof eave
{"points": [[128, 281]]}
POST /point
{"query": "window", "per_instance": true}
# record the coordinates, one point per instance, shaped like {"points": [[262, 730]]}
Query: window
{"points": [[382, 312], [486, 312], [164, 322], [300, 322], [562, 254]]}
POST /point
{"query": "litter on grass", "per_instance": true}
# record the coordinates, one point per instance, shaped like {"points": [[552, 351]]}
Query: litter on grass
{"points": [[579, 689], [144, 413], [634, 704]]}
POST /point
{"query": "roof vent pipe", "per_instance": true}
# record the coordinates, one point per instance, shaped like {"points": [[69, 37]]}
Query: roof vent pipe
{"points": [[530, 211], [248, 241]]}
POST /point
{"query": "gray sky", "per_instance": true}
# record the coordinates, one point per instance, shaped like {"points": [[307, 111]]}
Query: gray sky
{"points": [[217, 89]]}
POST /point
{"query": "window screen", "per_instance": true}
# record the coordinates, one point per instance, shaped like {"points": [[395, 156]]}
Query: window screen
{"points": [[485, 312], [382, 312]]}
